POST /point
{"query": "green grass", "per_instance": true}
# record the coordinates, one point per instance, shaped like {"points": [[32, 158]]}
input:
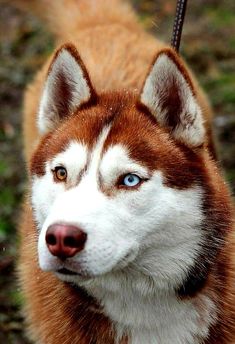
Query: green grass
{"points": [[218, 17]]}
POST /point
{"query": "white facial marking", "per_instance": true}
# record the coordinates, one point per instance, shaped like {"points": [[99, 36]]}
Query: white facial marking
{"points": [[96, 154], [155, 93], [74, 158], [116, 162], [65, 70], [45, 190]]}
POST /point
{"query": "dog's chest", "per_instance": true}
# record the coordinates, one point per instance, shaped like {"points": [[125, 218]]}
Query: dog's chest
{"points": [[160, 319]]}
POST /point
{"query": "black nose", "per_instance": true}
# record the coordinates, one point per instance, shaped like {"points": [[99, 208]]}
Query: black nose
{"points": [[65, 241]]}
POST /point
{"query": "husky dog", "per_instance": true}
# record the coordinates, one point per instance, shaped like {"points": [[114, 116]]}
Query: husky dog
{"points": [[127, 233]]}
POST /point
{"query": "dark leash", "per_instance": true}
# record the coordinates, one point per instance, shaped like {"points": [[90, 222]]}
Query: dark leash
{"points": [[178, 24]]}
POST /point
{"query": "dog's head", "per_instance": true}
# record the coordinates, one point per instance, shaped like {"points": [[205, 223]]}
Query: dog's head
{"points": [[119, 180]]}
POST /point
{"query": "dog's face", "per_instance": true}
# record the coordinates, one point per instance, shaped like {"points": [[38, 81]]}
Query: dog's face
{"points": [[116, 179]]}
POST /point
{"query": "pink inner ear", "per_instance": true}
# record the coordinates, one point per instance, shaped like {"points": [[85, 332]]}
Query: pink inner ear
{"points": [[62, 95], [171, 104]]}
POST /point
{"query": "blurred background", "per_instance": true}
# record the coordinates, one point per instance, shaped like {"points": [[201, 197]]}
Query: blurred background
{"points": [[208, 45]]}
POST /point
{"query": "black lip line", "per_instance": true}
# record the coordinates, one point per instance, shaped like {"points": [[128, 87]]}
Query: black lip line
{"points": [[68, 272], [65, 271]]}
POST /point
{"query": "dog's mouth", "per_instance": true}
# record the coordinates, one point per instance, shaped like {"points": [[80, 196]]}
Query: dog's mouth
{"points": [[68, 272], [71, 276], [77, 271]]}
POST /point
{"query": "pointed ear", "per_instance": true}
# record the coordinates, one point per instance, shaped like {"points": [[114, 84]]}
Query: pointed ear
{"points": [[169, 95], [67, 87]]}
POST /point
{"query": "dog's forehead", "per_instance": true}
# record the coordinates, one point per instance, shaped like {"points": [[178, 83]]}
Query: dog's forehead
{"points": [[86, 126]]}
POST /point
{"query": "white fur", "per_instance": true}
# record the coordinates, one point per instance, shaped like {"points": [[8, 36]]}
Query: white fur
{"points": [[141, 244], [164, 71], [116, 162], [139, 309], [74, 159], [72, 72], [178, 322]]}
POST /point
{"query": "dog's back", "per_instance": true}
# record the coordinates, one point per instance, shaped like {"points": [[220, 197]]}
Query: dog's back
{"points": [[179, 287]]}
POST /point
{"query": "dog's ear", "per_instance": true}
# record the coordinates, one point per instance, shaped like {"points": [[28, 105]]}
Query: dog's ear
{"points": [[169, 95], [67, 87]]}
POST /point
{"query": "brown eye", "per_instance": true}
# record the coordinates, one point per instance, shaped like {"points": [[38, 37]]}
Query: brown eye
{"points": [[60, 173]]}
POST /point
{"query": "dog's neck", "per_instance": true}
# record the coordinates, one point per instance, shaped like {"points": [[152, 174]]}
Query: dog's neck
{"points": [[157, 317]]}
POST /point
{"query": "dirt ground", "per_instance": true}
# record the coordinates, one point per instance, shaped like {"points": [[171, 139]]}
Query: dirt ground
{"points": [[209, 48]]}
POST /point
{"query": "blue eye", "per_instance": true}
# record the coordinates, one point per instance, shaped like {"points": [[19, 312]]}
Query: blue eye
{"points": [[131, 180]]}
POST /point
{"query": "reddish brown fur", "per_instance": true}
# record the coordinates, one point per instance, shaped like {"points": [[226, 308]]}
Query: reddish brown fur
{"points": [[141, 131], [222, 279], [57, 313]]}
